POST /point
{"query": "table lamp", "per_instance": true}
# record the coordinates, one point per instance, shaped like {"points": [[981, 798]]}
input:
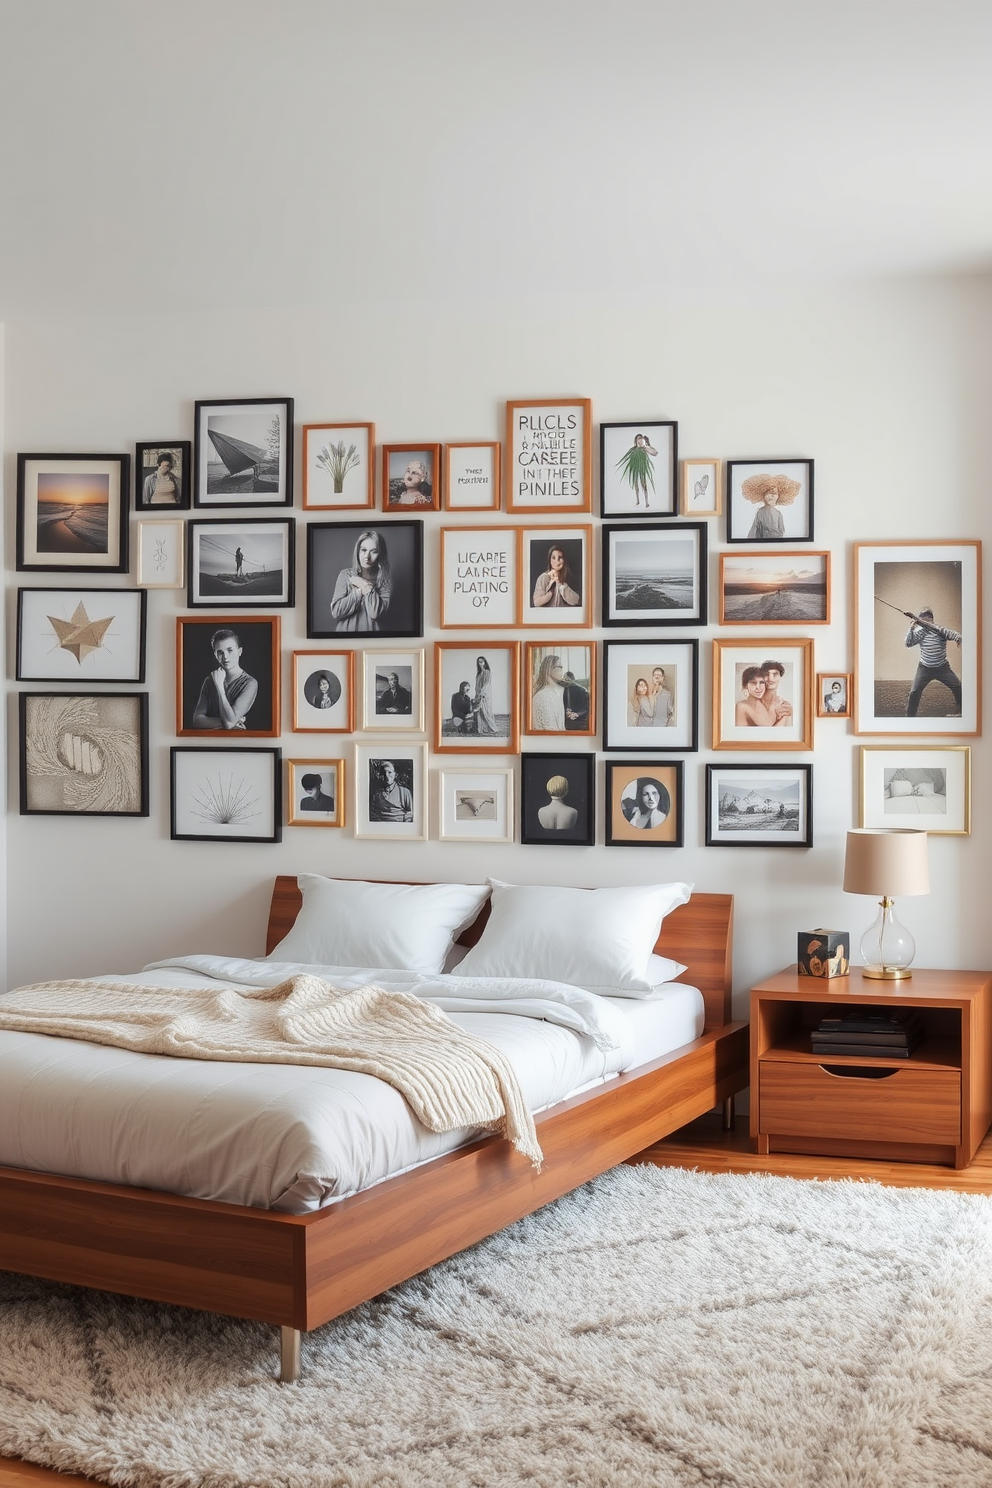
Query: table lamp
{"points": [[890, 864]]}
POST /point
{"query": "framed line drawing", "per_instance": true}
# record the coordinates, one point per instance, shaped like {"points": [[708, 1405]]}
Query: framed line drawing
{"points": [[411, 477], [834, 694], [558, 800], [763, 693], [243, 452], [923, 788], [549, 455], [315, 793], [81, 635], [393, 690], [72, 513], [323, 692], [226, 795], [637, 465], [759, 805], [644, 803], [917, 637], [161, 554], [479, 577], [163, 475], [784, 588], [655, 574], [227, 676], [391, 791], [365, 579], [476, 697], [651, 695], [476, 805], [560, 688], [472, 476], [554, 568], [702, 488], [83, 754], [237, 561], [769, 501], [338, 466]]}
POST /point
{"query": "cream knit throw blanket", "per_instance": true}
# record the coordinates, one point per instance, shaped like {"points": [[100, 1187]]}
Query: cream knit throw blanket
{"points": [[449, 1077]]}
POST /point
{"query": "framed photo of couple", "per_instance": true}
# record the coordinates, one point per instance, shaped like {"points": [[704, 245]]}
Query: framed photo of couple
{"points": [[560, 684], [476, 692], [763, 693], [650, 695]]}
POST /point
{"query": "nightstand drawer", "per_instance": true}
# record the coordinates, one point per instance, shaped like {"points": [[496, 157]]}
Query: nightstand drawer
{"points": [[907, 1105]]}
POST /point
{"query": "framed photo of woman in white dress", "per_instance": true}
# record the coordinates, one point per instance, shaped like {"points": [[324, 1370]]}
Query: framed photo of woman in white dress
{"points": [[476, 691]]}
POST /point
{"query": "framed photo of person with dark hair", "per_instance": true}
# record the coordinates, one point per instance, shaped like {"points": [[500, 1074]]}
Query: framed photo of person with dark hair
{"points": [[554, 576], [365, 579], [391, 791], [644, 803], [393, 690], [476, 697], [651, 695], [163, 475], [323, 692], [315, 793], [557, 799], [227, 676], [637, 468], [763, 693]]}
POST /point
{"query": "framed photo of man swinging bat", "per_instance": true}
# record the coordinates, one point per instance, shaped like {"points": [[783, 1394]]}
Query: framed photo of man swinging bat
{"points": [[918, 638]]}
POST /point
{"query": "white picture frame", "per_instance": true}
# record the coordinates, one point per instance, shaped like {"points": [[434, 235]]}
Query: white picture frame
{"points": [[323, 692], [701, 493], [476, 805], [386, 708], [161, 554], [922, 788], [394, 809]]}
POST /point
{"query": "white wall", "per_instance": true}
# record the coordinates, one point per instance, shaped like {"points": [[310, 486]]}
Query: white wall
{"points": [[886, 385]]}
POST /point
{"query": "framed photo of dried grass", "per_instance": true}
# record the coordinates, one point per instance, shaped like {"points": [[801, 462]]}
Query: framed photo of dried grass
{"points": [[315, 793], [922, 788], [560, 687], [338, 466], [83, 754], [549, 455], [644, 805], [782, 588], [763, 693], [702, 488], [472, 476]]}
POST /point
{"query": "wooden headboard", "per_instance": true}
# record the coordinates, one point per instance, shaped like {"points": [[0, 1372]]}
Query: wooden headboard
{"points": [[699, 934]]}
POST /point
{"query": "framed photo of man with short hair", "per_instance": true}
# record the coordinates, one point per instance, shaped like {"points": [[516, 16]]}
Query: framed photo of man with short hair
{"points": [[391, 791], [227, 676]]}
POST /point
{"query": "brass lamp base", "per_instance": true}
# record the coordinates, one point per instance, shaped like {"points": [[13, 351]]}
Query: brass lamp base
{"points": [[887, 973]]}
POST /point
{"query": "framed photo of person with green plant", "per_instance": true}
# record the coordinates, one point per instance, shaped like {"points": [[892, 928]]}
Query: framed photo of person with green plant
{"points": [[637, 468]]}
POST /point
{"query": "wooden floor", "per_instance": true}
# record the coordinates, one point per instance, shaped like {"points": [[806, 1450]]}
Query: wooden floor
{"points": [[706, 1146]]}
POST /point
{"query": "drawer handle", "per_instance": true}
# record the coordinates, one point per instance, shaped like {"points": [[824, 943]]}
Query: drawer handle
{"points": [[851, 1072]]}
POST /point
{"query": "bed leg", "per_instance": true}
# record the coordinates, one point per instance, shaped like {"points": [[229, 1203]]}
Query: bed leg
{"points": [[728, 1114], [289, 1355]]}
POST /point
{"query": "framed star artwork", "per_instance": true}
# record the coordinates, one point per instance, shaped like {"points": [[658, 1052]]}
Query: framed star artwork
{"points": [[81, 635]]}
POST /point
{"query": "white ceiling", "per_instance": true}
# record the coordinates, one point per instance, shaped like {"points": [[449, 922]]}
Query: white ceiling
{"points": [[186, 153]]}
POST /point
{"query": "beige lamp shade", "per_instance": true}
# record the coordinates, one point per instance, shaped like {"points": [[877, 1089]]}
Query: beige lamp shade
{"points": [[888, 864]]}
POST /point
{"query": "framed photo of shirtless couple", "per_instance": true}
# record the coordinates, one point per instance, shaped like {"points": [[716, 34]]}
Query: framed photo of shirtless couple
{"points": [[917, 617], [391, 791], [763, 693], [650, 695], [227, 676]]}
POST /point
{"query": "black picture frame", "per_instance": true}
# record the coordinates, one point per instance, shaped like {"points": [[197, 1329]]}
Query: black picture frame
{"points": [[254, 582], [743, 510], [578, 771], [629, 810], [84, 652], [258, 637], [770, 809], [613, 498], [237, 458], [148, 456], [85, 526], [107, 771], [231, 790], [678, 655], [331, 556], [656, 587]]}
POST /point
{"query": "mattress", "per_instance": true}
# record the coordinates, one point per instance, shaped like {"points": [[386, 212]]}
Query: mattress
{"points": [[288, 1137]]}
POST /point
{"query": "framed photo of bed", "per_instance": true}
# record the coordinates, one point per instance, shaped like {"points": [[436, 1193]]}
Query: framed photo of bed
{"points": [[560, 687], [393, 690], [365, 578], [769, 501], [549, 455], [243, 452], [476, 697], [637, 468], [763, 693], [479, 577], [81, 635], [72, 513], [226, 795], [238, 562], [753, 805], [554, 570], [315, 793], [476, 805], [338, 466], [163, 475], [558, 800], [411, 477], [391, 791], [651, 695], [655, 574], [323, 692], [83, 754], [227, 676], [644, 803], [924, 788]]}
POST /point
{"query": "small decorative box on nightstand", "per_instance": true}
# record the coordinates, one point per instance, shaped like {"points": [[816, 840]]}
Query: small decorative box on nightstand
{"points": [[933, 1106]]}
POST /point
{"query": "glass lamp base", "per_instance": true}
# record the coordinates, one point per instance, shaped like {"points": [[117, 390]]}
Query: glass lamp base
{"points": [[887, 948], [887, 973]]}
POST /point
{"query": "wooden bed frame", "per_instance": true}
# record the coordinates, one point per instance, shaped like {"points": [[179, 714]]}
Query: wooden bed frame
{"points": [[298, 1271]]}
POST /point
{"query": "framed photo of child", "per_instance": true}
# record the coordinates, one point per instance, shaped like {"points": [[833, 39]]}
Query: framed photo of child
{"points": [[411, 477], [769, 501]]}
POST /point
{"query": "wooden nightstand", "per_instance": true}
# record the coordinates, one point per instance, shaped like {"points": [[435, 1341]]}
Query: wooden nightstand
{"points": [[934, 1107]]}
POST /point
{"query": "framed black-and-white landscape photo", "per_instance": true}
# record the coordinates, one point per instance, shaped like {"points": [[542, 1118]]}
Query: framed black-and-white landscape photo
{"points": [[226, 795], [163, 475], [83, 754], [472, 476], [161, 549], [243, 453], [338, 466], [701, 493], [651, 695], [227, 676], [759, 805], [81, 635], [476, 697], [476, 805], [637, 466], [560, 687], [365, 579], [72, 513], [769, 501], [782, 588], [411, 477], [323, 692], [558, 799], [548, 465], [554, 571], [315, 793], [241, 561], [391, 791], [655, 574], [644, 803], [393, 690], [918, 788], [763, 693], [479, 577]]}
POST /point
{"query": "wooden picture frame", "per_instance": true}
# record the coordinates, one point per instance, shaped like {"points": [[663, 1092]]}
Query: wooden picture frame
{"points": [[919, 787], [411, 477], [392, 607], [560, 687], [555, 591], [83, 753], [645, 803], [701, 490], [315, 793], [163, 475], [477, 697], [558, 800], [72, 513], [479, 578], [548, 465], [338, 466], [244, 561], [662, 716], [243, 452], [759, 805], [391, 791], [476, 805], [81, 635], [787, 587], [388, 708], [834, 694], [161, 554], [234, 645], [472, 475], [323, 684], [769, 501], [655, 574], [638, 461], [763, 693], [225, 795]]}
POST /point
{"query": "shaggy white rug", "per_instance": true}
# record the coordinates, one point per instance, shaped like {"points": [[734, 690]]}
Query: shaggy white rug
{"points": [[657, 1327]]}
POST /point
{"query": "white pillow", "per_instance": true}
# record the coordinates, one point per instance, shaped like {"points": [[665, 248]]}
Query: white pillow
{"points": [[347, 922], [900, 788], [600, 939], [925, 788]]}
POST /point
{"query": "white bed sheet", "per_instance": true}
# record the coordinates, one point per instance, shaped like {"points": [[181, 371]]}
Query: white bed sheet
{"points": [[285, 1137]]}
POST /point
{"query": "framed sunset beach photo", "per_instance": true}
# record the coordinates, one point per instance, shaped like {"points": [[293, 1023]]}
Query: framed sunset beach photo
{"points": [[72, 513]]}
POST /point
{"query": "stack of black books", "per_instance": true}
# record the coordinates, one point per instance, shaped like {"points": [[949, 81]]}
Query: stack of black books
{"points": [[870, 1034]]}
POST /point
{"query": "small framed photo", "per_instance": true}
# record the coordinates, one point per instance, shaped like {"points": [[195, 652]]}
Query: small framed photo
{"points": [[391, 791], [759, 805], [162, 474], [644, 803], [655, 575], [81, 635], [775, 588], [315, 790], [338, 466], [411, 477], [637, 465], [243, 453], [549, 455], [161, 554], [702, 488], [923, 788], [476, 692], [472, 476], [555, 587], [479, 577], [227, 676], [651, 695], [238, 562], [558, 799], [364, 579], [560, 688], [917, 625], [833, 694], [226, 795], [72, 513], [769, 501], [476, 806], [763, 693], [323, 692], [393, 690], [83, 754]]}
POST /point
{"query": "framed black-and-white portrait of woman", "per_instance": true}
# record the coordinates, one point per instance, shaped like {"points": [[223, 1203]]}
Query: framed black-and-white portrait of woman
{"points": [[557, 799], [323, 692], [644, 803], [365, 578], [227, 676]]}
